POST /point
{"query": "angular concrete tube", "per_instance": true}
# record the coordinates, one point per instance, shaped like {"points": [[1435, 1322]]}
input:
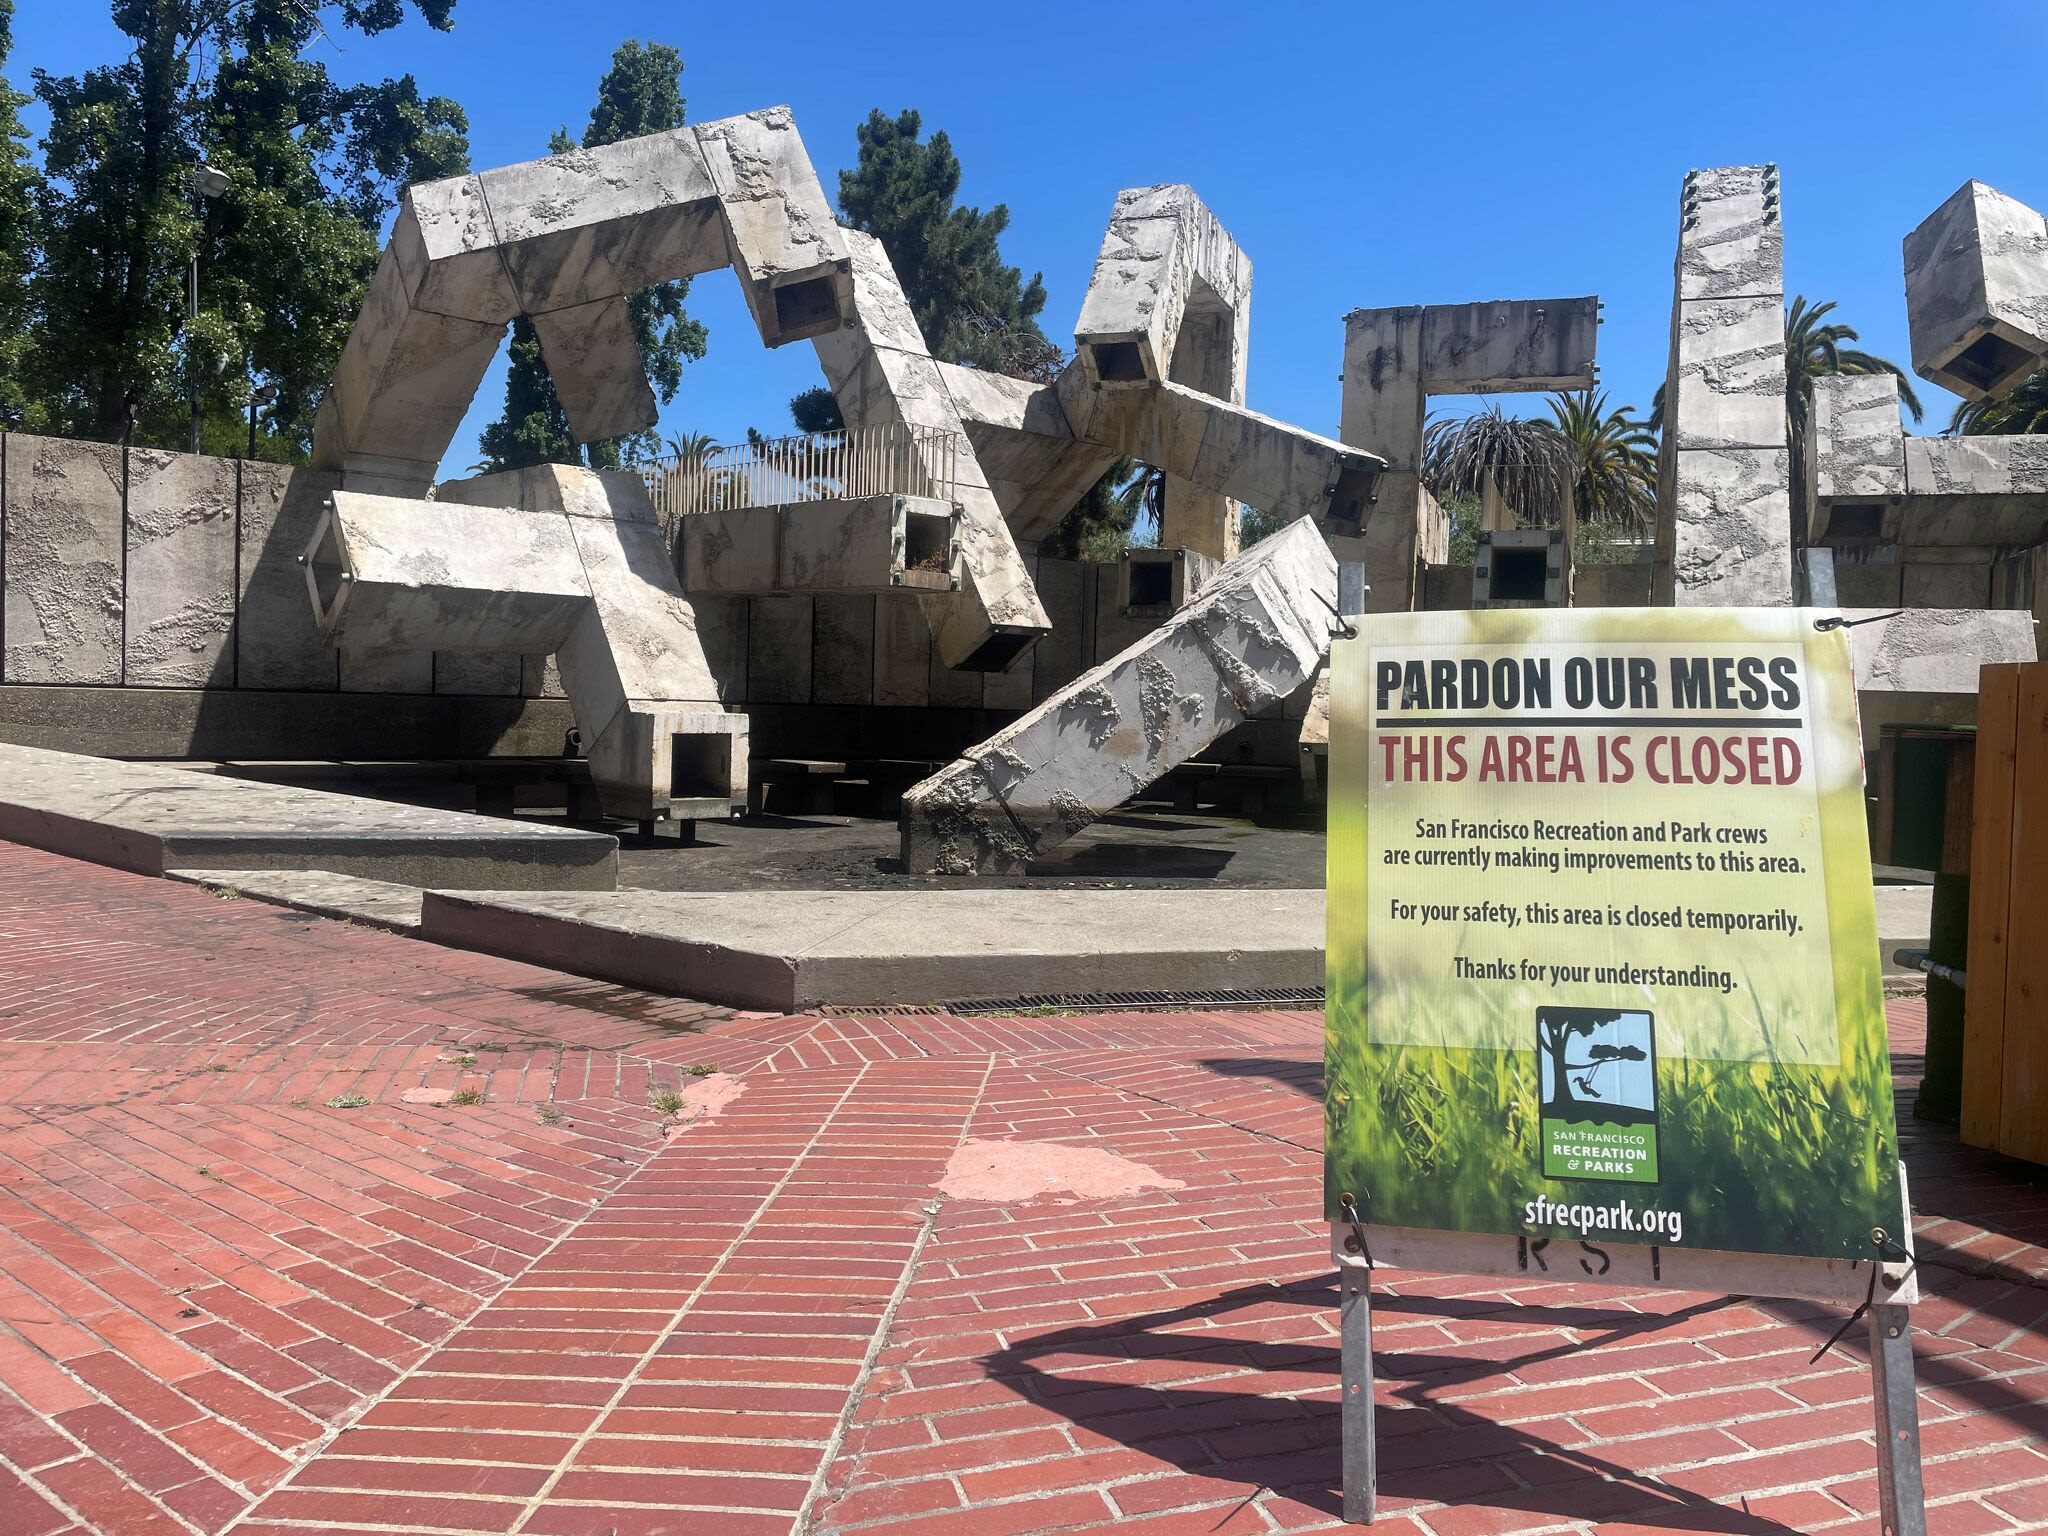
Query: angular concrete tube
{"points": [[567, 240], [1977, 293], [1254, 635], [1044, 444], [1170, 300], [882, 374], [550, 560], [857, 544]]}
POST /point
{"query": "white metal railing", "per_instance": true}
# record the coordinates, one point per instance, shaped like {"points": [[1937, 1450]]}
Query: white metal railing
{"points": [[897, 459]]}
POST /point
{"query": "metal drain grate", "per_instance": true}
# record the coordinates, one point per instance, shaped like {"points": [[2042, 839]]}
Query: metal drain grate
{"points": [[1110, 1002]]}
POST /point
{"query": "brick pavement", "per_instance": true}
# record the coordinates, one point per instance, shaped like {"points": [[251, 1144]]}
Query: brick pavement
{"points": [[230, 1301]]}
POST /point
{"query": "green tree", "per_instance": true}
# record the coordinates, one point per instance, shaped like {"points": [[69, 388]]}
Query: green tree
{"points": [[285, 252], [1530, 461], [17, 234], [1614, 461], [2023, 411], [972, 307], [640, 94]]}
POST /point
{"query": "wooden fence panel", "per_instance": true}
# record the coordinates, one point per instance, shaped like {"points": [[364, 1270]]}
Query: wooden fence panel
{"points": [[1998, 692]]}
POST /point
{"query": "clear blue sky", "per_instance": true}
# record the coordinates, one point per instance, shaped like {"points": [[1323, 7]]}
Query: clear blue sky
{"points": [[1362, 154]]}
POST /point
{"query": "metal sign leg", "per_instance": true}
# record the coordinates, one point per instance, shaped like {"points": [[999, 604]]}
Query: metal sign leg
{"points": [[1361, 1471], [1901, 1501]]}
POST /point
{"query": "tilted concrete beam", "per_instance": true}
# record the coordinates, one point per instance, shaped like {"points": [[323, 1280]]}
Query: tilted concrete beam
{"points": [[1977, 293], [1054, 440], [567, 240], [550, 560], [1255, 634], [881, 373]]}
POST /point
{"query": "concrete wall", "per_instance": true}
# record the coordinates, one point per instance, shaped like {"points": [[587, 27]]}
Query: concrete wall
{"points": [[152, 605]]}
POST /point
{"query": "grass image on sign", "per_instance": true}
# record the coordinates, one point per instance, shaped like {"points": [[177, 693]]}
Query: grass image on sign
{"points": [[1602, 943], [1599, 1112]]}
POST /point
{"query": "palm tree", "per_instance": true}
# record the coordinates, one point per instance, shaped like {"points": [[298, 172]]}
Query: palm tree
{"points": [[1530, 462], [2025, 410], [1615, 461]]}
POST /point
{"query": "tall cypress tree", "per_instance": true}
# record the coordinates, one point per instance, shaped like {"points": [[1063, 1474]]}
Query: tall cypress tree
{"points": [[639, 95]]}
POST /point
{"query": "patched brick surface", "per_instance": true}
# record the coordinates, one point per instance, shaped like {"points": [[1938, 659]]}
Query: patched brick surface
{"points": [[233, 1297]]}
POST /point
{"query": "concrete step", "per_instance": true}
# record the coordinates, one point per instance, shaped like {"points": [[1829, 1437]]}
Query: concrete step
{"points": [[373, 903], [155, 818], [795, 950]]}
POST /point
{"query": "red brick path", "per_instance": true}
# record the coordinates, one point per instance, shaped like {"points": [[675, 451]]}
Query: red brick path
{"points": [[225, 1304]]}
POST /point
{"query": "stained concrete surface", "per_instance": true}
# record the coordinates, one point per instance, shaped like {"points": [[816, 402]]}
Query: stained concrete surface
{"points": [[1123, 851]]}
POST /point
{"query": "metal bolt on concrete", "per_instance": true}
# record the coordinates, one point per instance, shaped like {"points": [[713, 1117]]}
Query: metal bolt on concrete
{"points": [[558, 1310]]}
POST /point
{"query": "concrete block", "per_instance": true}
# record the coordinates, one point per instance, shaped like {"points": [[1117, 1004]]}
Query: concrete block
{"points": [[1164, 253], [404, 382], [1942, 584], [1061, 656], [593, 357], [796, 950], [864, 544], [779, 646], [722, 624], [1733, 238], [386, 574], [842, 650], [1867, 577], [63, 599], [277, 637], [1509, 344], [1857, 443], [903, 653], [787, 248], [606, 222], [445, 243], [1253, 636], [1724, 532], [1927, 650], [1385, 403], [386, 671], [1734, 511], [489, 675], [1730, 373], [181, 570], [1977, 292]]}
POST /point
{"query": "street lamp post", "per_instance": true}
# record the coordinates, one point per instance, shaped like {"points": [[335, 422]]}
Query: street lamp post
{"points": [[207, 184]]}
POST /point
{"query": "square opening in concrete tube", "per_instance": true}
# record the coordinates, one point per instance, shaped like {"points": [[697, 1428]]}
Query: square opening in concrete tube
{"points": [[700, 766], [804, 306], [1148, 583], [1987, 361], [1518, 575], [927, 541], [1356, 491], [1118, 362], [1855, 520]]}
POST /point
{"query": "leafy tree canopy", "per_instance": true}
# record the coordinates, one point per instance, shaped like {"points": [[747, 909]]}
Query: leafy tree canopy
{"points": [[17, 233], [285, 253]]}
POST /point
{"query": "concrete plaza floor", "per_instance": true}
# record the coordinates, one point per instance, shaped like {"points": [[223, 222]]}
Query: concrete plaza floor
{"points": [[308, 1227]]}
